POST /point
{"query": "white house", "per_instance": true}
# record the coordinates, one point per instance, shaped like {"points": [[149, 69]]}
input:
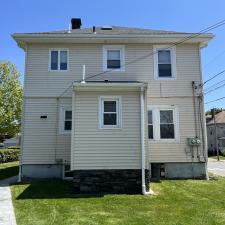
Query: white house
{"points": [[136, 114]]}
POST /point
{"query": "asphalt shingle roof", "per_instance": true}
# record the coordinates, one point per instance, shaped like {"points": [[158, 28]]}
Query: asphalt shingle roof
{"points": [[116, 30], [219, 118]]}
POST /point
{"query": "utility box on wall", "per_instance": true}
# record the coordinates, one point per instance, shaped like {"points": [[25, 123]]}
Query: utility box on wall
{"points": [[193, 141]]}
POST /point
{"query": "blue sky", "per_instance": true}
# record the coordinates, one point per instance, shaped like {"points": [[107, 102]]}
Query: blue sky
{"points": [[189, 16]]}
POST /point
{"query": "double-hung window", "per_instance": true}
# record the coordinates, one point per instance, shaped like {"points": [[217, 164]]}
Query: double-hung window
{"points": [[65, 120], [109, 112], [167, 124], [163, 123], [113, 58], [164, 62], [150, 125], [58, 60]]}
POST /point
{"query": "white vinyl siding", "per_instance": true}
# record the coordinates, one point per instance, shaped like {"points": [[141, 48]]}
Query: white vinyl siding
{"points": [[173, 150], [42, 87], [43, 142], [95, 148], [41, 82]]}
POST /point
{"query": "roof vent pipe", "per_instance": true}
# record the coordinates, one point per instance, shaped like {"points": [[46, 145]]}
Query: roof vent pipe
{"points": [[76, 23]]}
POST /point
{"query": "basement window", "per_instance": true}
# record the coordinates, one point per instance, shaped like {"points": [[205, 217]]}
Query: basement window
{"points": [[58, 60]]}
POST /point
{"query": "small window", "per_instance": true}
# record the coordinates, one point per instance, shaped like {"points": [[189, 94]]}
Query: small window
{"points": [[150, 125], [110, 113], [67, 120], [166, 124], [113, 58], [59, 60], [164, 63]]}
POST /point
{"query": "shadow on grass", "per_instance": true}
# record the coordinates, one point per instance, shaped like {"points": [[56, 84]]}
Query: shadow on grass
{"points": [[8, 172], [51, 189]]}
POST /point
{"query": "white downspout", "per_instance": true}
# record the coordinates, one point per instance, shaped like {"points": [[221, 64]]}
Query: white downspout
{"points": [[144, 192]]}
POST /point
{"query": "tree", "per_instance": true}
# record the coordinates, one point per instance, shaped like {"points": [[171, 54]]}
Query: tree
{"points": [[10, 100], [217, 110]]}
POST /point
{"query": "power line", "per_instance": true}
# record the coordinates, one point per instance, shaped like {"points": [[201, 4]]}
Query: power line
{"points": [[214, 85], [154, 52], [215, 100], [215, 89], [213, 59], [165, 48], [214, 77]]}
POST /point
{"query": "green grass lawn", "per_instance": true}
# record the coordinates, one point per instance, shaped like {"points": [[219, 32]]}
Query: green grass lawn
{"points": [[8, 169], [177, 202]]}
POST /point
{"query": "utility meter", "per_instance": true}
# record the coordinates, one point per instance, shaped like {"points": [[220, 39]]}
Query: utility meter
{"points": [[193, 141]]}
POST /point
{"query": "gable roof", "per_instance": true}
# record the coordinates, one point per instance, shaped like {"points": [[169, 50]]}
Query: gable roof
{"points": [[219, 118]]}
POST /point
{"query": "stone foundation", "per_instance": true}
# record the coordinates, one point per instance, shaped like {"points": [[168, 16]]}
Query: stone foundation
{"points": [[109, 181]]}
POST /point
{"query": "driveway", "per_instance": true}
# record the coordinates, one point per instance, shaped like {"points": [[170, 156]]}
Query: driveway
{"points": [[217, 167]]}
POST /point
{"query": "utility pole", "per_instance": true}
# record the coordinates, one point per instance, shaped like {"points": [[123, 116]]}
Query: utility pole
{"points": [[216, 140]]}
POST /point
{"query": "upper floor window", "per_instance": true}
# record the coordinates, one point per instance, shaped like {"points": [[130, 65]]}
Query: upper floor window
{"points": [[164, 62], [113, 58], [109, 112], [58, 59]]}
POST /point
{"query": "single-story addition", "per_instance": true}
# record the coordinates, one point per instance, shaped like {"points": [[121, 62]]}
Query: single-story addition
{"points": [[113, 107]]}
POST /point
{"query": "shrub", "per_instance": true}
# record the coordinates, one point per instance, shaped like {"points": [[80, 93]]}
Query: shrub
{"points": [[223, 152], [14, 147], [9, 155]]}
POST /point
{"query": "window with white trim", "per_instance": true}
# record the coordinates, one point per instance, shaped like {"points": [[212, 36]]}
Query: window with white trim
{"points": [[58, 60], [164, 62], [113, 57], [166, 124], [150, 125], [109, 112], [163, 123], [67, 120]]}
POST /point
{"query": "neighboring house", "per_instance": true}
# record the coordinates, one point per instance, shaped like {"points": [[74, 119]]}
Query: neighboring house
{"points": [[133, 115], [216, 128]]}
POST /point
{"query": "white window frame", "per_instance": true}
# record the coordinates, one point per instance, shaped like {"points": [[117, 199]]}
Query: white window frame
{"points": [[172, 50], [156, 122], [121, 48], [118, 112], [58, 67], [63, 110]]}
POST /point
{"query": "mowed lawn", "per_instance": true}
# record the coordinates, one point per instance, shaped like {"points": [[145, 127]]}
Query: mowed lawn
{"points": [[177, 202], [8, 169]]}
